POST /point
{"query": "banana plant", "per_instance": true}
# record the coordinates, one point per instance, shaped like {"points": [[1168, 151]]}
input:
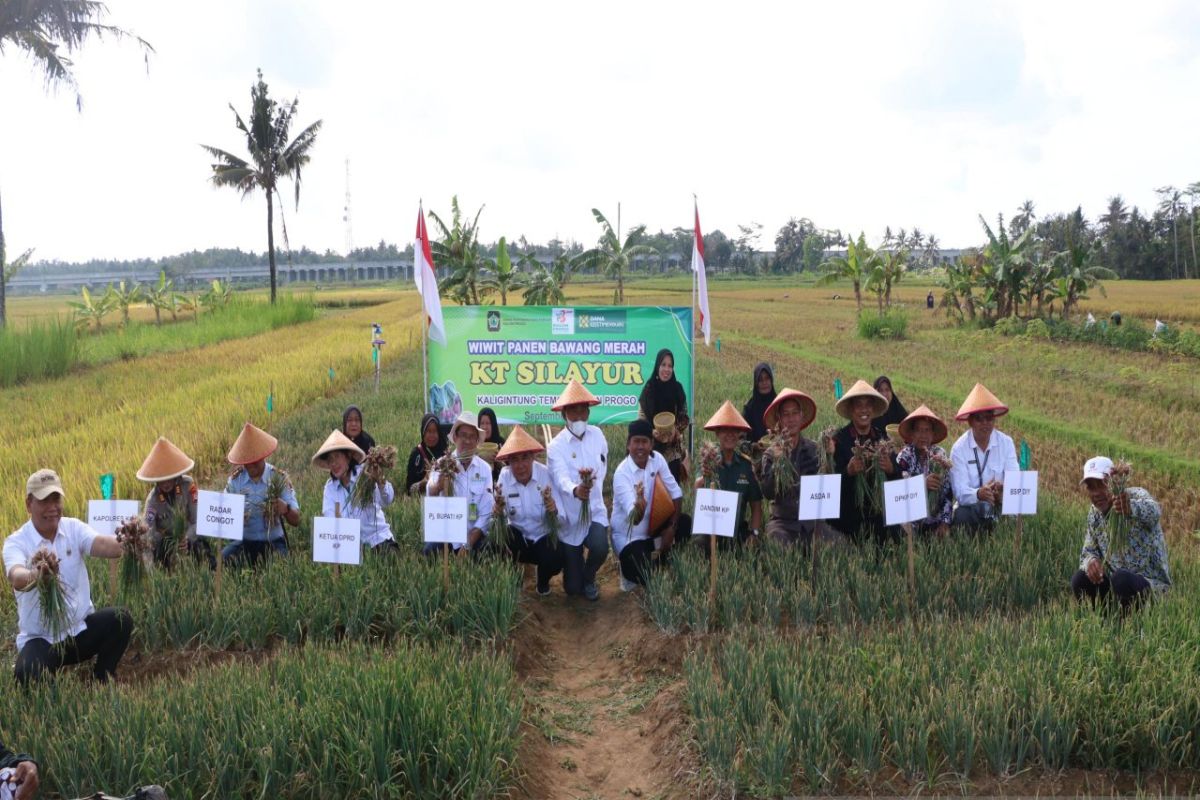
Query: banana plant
{"points": [[502, 278], [613, 256], [161, 296], [861, 266], [92, 310], [124, 298]]}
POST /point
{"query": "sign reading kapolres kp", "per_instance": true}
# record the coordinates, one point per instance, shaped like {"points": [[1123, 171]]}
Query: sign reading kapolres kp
{"points": [[516, 359]]}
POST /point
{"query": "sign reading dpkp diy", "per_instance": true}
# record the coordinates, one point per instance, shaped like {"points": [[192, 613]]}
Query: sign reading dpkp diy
{"points": [[336, 541], [716, 512], [220, 515], [1020, 493], [905, 500], [105, 516], [445, 519]]}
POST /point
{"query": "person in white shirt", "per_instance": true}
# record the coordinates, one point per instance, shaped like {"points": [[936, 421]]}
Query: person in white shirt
{"points": [[531, 507], [102, 634], [979, 460], [472, 481], [342, 458], [633, 536], [580, 446]]}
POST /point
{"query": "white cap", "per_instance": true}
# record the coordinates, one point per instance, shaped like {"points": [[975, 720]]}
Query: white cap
{"points": [[1097, 467], [468, 418]]}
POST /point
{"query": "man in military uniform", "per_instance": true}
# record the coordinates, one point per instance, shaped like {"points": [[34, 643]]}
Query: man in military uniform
{"points": [[170, 510], [254, 477], [735, 473]]}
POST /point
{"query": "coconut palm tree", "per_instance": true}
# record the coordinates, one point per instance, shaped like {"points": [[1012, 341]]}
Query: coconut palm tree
{"points": [[613, 256], [272, 157], [1169, 205]]}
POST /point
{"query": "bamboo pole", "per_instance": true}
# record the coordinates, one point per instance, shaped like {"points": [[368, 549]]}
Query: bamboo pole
{"points": [[912, 569], [337, 568], [712, 578], [446, 567]]}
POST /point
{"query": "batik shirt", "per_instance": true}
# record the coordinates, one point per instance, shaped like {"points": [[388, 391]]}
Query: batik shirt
{"points": [[912, 463], [1146, 553]]}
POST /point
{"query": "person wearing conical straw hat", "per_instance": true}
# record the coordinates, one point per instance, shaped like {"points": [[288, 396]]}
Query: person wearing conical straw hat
{"points": [[636, 534], [343, 458], [532, 507], [921, 431], [473, 480], [578, 449], [862, 454], [788, 415], [979, 459], [253, 477], [733, 473], [173, 493]]}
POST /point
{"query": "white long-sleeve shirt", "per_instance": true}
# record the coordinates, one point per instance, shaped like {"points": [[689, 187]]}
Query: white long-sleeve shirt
{"points": [[71, 543], [523, 501], [566, 455], [474, 483], [373, 526], [971, 467], [625, 481]]}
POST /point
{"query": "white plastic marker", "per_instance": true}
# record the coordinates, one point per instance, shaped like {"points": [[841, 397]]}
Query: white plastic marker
{"points": [[716, 513], [445, 519], [905, 500], [336, 541], [820, 496], [1020, 493]]}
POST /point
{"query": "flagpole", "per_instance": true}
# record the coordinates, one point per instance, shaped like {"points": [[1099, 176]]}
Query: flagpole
{"points": [[424, 325], [695, 353]]}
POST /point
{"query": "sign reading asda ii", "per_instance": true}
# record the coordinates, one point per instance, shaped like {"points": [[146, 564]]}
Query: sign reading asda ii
{"points": [[516, 359]]}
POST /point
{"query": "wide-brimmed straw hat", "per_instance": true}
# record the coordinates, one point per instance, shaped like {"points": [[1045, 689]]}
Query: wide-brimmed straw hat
{"points": [[488, 452], [727, 417], [468, 418], [337, 441], [980, 399], [253, 444], [575, 394], [807, 405], [861, 389], [518, 442], [940, 431], [662, 507], [166, 461]]}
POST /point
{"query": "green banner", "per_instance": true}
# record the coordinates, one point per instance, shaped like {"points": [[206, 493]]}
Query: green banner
{"points": [[517, 359]]}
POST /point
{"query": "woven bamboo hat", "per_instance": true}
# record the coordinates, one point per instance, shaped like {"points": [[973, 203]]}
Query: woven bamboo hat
{"points": [[662, 507], [807, 405], [488, 451], [940, 431], [337, 441], [573, 395], [253, 444], [166, 461], [861, 389], [726, 417], [664, 423], [980, 399], [519, 441]]}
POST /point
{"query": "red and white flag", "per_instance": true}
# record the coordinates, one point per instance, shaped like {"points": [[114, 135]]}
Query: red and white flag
{"points": [[426, 280], [701, 280]]}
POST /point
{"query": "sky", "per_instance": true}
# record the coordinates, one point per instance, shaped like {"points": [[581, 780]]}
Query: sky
{"points": [[855, 115]]}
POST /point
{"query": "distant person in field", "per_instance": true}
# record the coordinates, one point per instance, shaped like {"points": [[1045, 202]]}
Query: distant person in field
{"points": [[862, 520], [664, 394], [431, 447], [922, 431], [896, 412], [472, 481], [170, 510], [18, 775], [792, 411], [929, 300], [1130, 571], [579, 447], [646, 508], [342, 457], [253, 477], [762, 395], [531, 507], [489, 431], [979, 460], [352, 426], [735, 473], [103, 634]]}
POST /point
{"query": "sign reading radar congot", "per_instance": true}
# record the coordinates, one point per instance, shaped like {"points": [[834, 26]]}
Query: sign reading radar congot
{"points": [[336, 541], [445, 520], [105, 516], [1020, 493], [220, 515], [820, 496], [905, 500], [716, 512]]}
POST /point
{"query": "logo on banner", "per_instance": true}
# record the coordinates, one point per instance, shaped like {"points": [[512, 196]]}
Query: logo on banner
{"points": [[493, 321], [562, 322], [604, 322]]}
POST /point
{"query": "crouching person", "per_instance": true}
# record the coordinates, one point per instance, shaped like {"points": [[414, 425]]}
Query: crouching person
{"points": [[46, 642], [531, 507], [472, 480]]}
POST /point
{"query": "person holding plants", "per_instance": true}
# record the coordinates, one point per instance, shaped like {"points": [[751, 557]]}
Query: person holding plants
{"points": [[420, 461], [731, 470], [343, 459], [57, 624], [762, 395], [270, 498], [979, 460], [863, 455], [663, 394], [18, 775], [170, 510], [1124, 551], [464, 474], [646, 503], [788, 456], [921, 431], [352, 426], [532, 510]]}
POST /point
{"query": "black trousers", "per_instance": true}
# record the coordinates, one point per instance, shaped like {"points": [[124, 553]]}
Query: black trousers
{"points": [[1128, 587], [549, 560], [635, 557], [105, 639]]}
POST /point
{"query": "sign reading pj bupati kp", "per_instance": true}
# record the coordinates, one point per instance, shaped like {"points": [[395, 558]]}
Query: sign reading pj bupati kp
{"points": [[516, 359]]}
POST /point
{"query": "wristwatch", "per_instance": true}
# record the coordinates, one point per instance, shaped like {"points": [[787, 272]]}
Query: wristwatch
{"points": [[754, 532]]}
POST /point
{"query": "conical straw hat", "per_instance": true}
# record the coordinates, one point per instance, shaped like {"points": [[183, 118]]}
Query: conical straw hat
{"points": [[253, 444], [980, 399], [166, 461], [662, 507], [519, 441], [807, 405], [573, 395], [727, 417], [861, 389], [940, 431], [337, 441]]}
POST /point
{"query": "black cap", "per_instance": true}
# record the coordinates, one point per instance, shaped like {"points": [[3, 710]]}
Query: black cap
{"points": [[640, 427]]}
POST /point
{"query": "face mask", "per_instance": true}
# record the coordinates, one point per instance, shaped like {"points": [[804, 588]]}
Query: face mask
{"points": [[578, 427]]}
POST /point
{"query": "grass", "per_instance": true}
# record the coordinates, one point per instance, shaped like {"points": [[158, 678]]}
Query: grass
{"points": [[36, 351]]}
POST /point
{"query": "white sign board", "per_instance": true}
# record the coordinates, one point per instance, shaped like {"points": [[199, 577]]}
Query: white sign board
{"points": [[716, 513], [336, 541], [105, 516], [1020, 493], [445, 519], [820, 496], [220, 515], [905, 500]]}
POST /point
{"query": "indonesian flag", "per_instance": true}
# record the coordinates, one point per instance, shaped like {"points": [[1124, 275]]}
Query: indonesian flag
{"points": [[426, 280], [701, 280]]}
